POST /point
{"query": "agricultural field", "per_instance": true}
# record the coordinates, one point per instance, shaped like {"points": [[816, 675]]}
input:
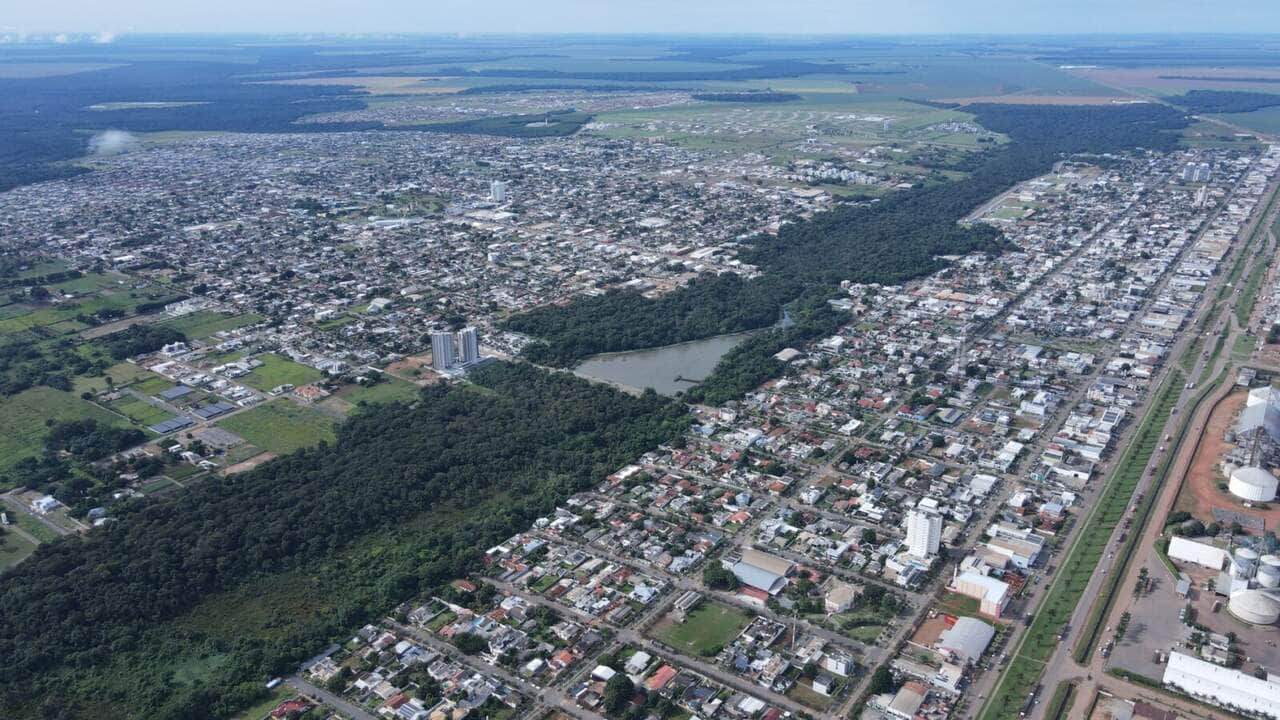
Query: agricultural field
{"points": [[204, 323], [277, 370], [1266, 120], [23, 417], [281, 426], [705, 632]]}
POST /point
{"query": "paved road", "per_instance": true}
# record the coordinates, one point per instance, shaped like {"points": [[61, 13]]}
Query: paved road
{"points": [[544, 695], [1061, 665], [328, 698]]}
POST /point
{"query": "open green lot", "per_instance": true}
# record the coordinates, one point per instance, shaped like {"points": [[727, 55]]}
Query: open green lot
{"points": [[204, 323], [14, 549], [140, 411], [276, 371], [706, 630], [23, 416], [392, 389], [281, 426]]}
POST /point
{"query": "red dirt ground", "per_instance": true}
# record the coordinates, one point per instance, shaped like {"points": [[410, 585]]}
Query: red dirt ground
{"points": [[1200, 493]]}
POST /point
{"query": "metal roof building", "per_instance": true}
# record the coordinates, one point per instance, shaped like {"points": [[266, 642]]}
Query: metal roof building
{"points": [[1223, 686], [967, 639], [762, 571]]}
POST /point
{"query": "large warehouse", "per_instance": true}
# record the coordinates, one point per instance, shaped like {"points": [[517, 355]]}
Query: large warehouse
{"points": [[1202, 554], [762, 571], [1223, 686]]}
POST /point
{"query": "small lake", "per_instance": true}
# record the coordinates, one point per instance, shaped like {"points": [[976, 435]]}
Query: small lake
{"points": [[658, 368]]}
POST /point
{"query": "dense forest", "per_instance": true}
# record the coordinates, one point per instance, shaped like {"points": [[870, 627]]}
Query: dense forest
{"points": [[624, 320], [140, 339], [898, 239], [1224, 101], [496, 454]]}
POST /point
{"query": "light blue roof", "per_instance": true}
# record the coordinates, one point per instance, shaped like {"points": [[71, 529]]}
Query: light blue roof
{"points": [[759, 578]]}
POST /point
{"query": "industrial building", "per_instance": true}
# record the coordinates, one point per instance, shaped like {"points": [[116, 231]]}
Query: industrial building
{"points": [[762, 571], [1199, 553], [992, 594], [1223, 686]]}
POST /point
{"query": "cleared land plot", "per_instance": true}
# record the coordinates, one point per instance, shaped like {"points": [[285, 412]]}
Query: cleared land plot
{"points": [[806, 695], [140, 411], [14, 549], [390, 390], [204, 323], [281, 426], [705, 631], [276, 371], [23, 416]]}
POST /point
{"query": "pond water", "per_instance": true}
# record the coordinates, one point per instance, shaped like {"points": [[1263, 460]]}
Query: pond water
{"points": [[665, 369]]}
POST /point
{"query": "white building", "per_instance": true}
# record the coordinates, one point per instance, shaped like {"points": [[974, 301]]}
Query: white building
{"points": [[1223, 686], [441, 350], [992, 594], [469, 345], [924, 533], [498, 191], [964, 642], [1201, 554]]}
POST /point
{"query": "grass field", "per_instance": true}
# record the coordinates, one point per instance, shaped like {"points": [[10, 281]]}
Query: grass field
{"points": [[269, 703], [139, 411], [23, 416], [63, 315], [204, 323], [34, 527], [281, 426], [959, 605], [706, 631], [391, 390], [14, 549], [1061, 702], [276, 371], [1082, 560], [806, 695]]}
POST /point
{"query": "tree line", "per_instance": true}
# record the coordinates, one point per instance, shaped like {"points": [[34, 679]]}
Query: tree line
{"points": [[501, 453]]}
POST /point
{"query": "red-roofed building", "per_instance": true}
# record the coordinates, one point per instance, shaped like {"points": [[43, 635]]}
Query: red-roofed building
{"points": [[659, 679], [290, 706]]}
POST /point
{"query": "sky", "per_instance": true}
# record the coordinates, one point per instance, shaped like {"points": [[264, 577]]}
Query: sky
{"points": [[641, 16]]}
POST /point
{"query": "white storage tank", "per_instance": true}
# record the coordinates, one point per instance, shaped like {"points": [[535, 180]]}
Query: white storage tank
{"points": [[1272, 560], [1253, 484], [1244, 562], [1255, 607], [1268, 576]]}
